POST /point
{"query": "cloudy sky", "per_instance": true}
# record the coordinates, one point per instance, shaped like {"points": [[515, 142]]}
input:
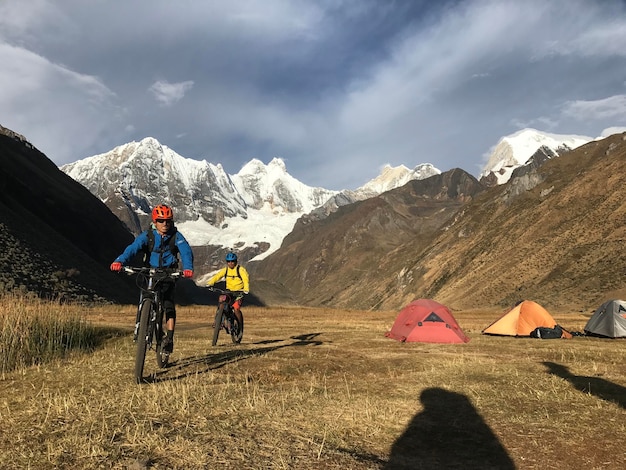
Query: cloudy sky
{"points": [[336, 88]]}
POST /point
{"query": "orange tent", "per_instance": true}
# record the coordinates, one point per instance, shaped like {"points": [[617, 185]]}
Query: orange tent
{"points": [[521, 320]]}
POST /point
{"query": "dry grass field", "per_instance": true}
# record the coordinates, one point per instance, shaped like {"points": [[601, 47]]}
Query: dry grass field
{"points": [[315, 388]]}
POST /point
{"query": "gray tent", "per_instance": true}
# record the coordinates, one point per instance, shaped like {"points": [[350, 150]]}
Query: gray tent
{"points": [[608, 320]]}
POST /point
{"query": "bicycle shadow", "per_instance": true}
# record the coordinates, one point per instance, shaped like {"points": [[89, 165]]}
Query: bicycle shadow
{"points": [[449, 433], [205, 363], [596, 386]]}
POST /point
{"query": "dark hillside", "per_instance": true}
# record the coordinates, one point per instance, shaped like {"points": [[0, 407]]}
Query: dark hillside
{"points": [[58, 238]]}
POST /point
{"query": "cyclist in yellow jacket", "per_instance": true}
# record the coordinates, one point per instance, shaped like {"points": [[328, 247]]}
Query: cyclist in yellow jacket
{"points": [[236, 280]]}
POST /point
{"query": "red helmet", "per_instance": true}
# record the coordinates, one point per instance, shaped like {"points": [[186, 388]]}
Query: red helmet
{"points": [[162, 212]]}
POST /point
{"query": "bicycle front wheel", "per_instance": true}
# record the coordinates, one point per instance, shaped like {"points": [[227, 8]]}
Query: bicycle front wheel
{"points": [[142, 339], [218, 323]]}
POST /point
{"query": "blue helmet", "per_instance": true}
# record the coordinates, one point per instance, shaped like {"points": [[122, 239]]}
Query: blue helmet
{"points": [[231, 257]]}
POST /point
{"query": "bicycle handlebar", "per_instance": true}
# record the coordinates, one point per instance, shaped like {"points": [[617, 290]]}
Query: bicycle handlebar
{"points": [[171, 272], [156, 275], [224, 291]]}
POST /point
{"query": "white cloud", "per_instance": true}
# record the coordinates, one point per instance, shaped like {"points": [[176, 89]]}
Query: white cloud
{"points": [[167, 93], [543, 122], [21, 21], [58, 110], [612, 130], [613, 107], [593, 35], [336, 87]]}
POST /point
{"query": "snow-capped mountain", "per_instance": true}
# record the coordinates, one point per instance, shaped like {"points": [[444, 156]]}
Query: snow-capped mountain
{"points": [[394, 177], [253, 209], [272, 187], [131, 178], [389, 178], [516, 149]]}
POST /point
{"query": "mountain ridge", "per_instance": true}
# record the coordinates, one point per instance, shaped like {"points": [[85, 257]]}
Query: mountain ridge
{"points": [[253, 210], [563, 235], [321, 259], [250, 211], [553, 234]]}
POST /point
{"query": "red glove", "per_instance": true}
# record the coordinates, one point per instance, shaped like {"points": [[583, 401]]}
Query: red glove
{"points": [[187, 273], [116, 266]]}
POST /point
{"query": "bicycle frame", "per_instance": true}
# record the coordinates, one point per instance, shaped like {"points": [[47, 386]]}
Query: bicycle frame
{"points": [[149, 320], [155, 324]]}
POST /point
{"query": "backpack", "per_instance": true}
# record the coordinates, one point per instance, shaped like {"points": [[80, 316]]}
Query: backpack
{"points": [[544, 332], [150, 248]]}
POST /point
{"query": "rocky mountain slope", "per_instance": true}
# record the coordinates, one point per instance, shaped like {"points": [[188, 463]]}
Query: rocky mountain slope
{"points": [[350, 257], [554, 234]]}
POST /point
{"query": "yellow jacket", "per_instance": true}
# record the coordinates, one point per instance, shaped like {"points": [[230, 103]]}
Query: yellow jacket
{"points": [[236, 278]]}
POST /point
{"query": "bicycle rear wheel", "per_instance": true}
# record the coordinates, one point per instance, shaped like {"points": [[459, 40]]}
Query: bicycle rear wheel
{"points": [[218, 323], [236, 329], [142, 337]]}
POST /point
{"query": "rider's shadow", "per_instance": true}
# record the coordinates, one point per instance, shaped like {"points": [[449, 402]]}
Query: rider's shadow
{"points": [[601, 388], [202, 364], [306, 339]]}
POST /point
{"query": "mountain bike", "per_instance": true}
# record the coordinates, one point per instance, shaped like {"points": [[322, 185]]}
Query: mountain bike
{"points": [[149, 330], [225, 316]]}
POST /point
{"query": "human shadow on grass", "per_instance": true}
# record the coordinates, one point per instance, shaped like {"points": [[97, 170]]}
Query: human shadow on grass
{"points": [[201, 364], [449, 433], [596, 386]]}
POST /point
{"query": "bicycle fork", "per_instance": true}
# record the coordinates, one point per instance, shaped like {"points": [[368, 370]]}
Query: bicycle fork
{"points": [[152, 321], [137, 318]]}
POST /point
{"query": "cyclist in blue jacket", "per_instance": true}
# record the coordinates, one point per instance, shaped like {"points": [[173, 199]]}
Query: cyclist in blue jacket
{"points": [[162, 243]]}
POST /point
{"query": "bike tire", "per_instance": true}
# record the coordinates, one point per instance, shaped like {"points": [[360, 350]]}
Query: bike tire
{"points": [[218, 323], [142, 335], [162, 357], [236, 329]]}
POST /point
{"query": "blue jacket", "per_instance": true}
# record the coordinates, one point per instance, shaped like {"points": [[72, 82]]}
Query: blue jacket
{"points": [[167, 259]]}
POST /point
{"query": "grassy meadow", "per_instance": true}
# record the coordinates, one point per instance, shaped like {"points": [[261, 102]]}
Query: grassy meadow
{"points": [[307, 388]]}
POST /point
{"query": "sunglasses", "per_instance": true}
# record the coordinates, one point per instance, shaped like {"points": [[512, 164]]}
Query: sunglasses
{"points": [[162, 221]]}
